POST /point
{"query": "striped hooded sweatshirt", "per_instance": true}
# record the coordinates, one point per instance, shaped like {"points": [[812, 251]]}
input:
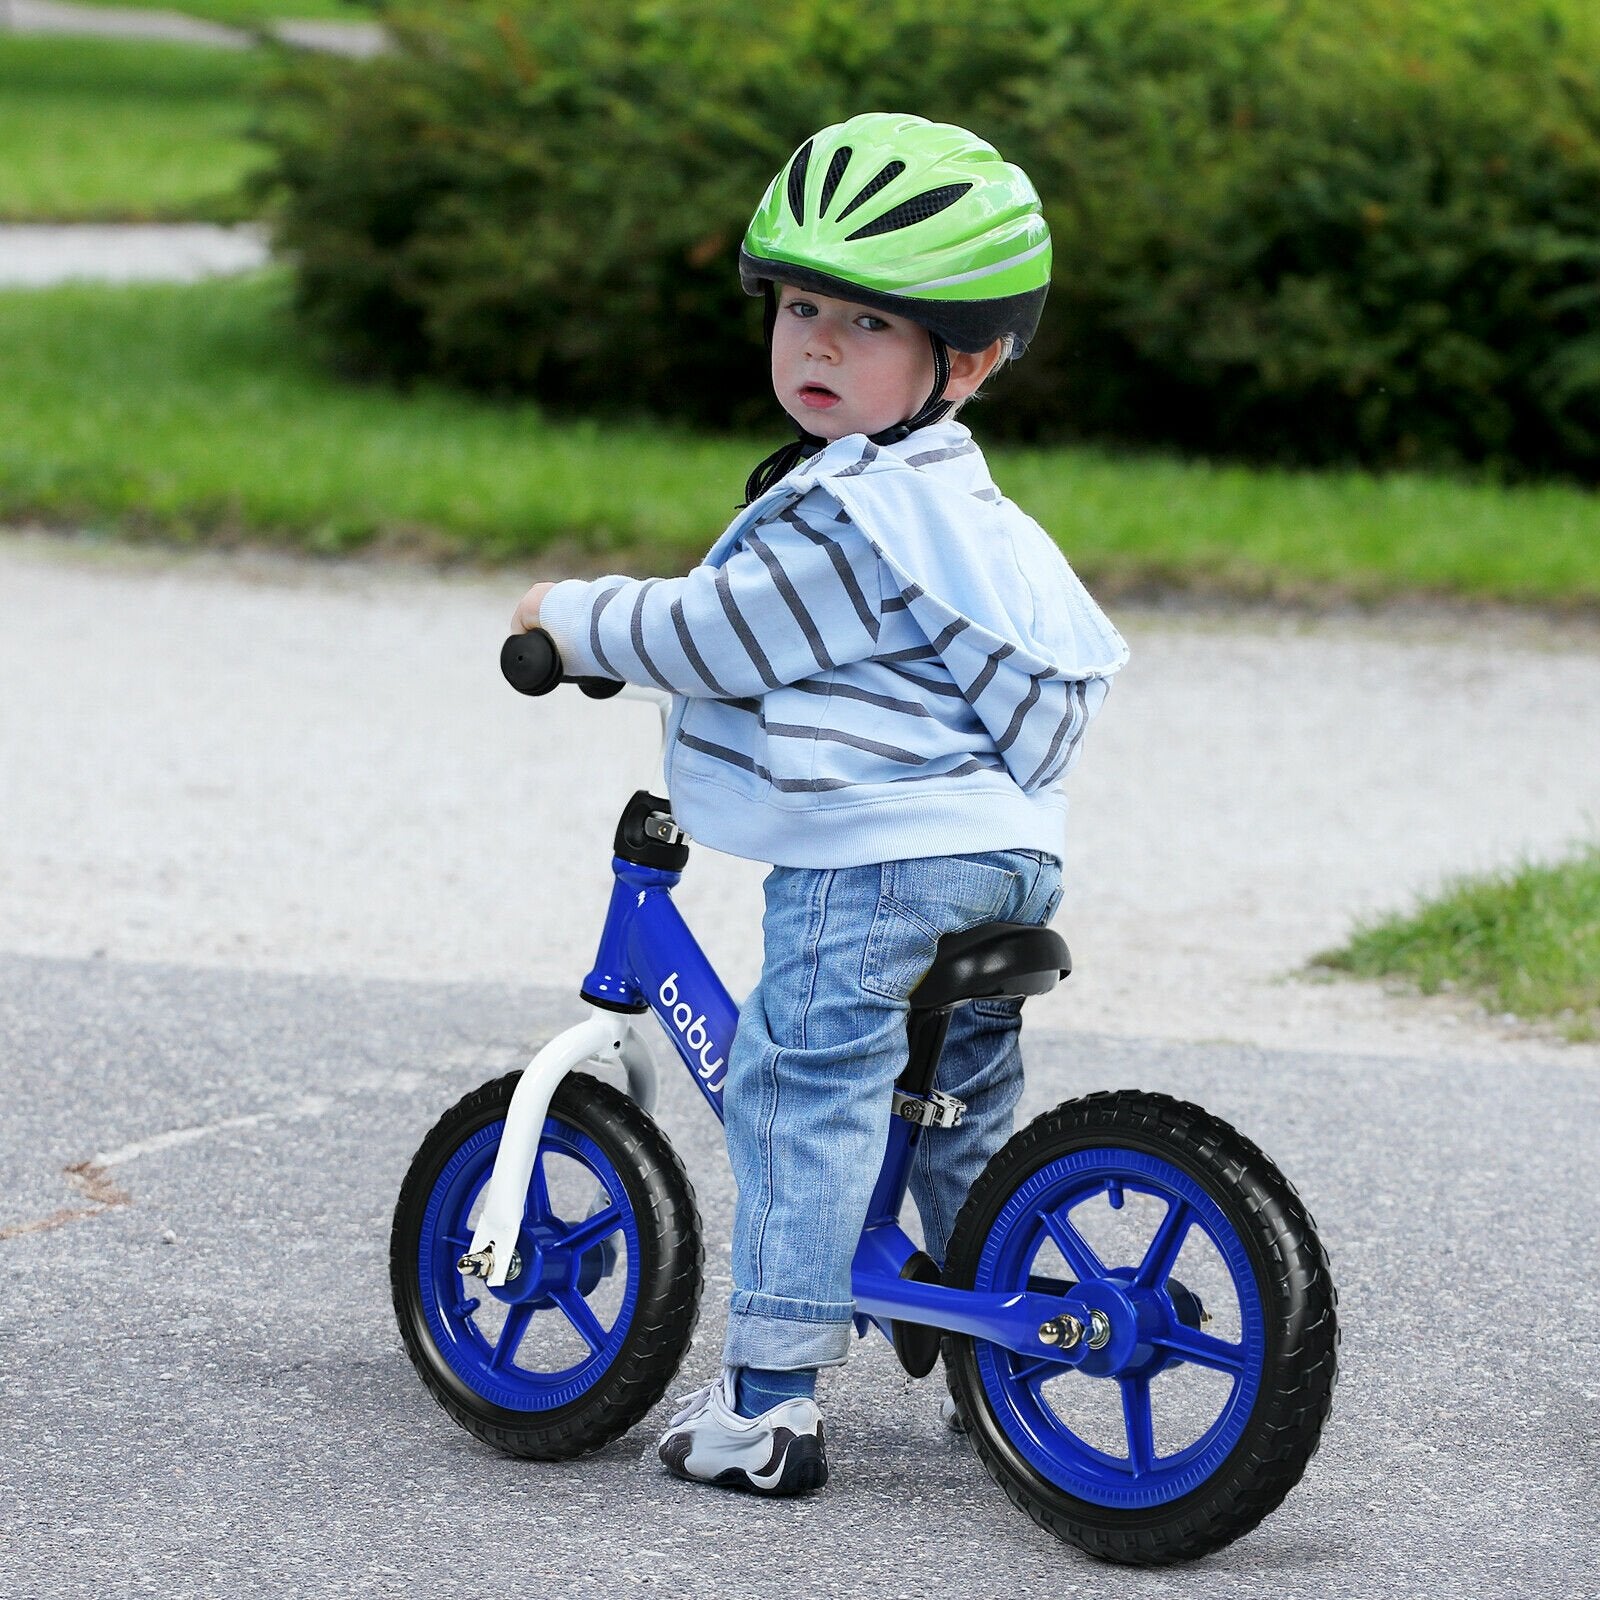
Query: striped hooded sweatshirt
{"points": [[881, 657]]}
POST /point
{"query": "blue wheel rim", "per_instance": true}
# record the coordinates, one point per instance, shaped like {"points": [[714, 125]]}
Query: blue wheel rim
{"points": [[555, 1249], [1036, 1216]]}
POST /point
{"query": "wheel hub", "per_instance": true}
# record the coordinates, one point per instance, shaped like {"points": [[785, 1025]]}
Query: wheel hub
{"points": [[544, 1269], [1120, 1323]]}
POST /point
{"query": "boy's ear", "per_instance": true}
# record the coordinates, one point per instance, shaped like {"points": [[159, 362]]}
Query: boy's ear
{"points": [[968, 369]]}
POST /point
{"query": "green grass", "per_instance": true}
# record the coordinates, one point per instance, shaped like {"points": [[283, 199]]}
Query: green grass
{"points": [[1525, 941], [103, 130], [194, 411], [1288, 535]]}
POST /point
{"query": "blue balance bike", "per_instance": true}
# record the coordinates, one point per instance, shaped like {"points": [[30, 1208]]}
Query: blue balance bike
{"points": [[1135, 1314]]}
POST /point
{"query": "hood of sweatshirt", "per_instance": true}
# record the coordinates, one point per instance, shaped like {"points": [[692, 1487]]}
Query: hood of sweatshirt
{"points": [[1018, 632]]}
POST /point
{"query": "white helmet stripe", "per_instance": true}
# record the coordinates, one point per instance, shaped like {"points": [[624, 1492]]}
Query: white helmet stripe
{"points": [[981, 272]]}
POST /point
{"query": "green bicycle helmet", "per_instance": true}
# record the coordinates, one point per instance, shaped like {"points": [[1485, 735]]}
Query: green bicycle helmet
{"points": [[920, 219], [917, 218]]}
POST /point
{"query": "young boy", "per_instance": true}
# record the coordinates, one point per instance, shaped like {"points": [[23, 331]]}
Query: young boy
{"points": [[885, 670]]}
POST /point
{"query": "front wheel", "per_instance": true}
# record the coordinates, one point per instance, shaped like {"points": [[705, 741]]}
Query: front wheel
{"points": [[584, 1339], [1205, 1398]]}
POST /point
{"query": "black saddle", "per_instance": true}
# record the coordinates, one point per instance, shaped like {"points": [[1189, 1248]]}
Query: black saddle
{"points": [[991, 961]]}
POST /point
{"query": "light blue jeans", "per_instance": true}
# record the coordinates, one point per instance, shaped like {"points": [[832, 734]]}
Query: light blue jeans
{"points": [[820, 1042]]}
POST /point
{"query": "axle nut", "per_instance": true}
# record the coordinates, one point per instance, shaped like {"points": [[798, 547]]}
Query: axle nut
{"points": [[480, 1263], [1063, 1332], [477, 1263]]}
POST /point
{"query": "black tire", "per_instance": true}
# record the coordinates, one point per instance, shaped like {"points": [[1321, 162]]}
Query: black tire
{"points": [[649, 1267], [1259, 1447]]}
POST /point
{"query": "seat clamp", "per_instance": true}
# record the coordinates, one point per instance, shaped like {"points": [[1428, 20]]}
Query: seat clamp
{"points": [[933, 1110], [663, 829]]}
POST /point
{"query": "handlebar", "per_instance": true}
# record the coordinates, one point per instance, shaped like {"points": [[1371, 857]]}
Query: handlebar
{"points": [[531, 666]]}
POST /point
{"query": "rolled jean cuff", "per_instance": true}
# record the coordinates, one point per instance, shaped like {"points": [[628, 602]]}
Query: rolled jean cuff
{"points": [[786, 1335]]}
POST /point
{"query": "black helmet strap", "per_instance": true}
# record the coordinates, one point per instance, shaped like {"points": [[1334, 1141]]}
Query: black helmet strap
{"points": [[784, 459], [934, 407]]}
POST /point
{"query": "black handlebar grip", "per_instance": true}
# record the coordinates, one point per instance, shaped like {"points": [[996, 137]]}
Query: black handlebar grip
{"points": [[530, 663], [531, 666]]}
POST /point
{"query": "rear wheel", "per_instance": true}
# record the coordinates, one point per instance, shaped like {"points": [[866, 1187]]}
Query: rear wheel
{"points": [[584, 1339], [1205, 1399]]}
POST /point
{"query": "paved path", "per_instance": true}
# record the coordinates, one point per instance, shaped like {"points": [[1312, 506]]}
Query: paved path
{"points": [[285, 869], [316, 768], [176, 27], [33, 256], [203, 1392]]}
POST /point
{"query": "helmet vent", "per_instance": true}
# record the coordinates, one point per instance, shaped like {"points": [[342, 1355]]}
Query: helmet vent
{"points": [[928, 204], [887, 176], [841, 160], [797, 181]]}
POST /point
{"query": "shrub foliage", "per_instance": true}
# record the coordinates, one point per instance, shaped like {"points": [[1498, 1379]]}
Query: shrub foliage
{"points": [[1296, 230]]}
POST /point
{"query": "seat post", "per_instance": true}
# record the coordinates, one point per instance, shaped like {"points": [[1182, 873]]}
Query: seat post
{"points": [[925, 1034]]}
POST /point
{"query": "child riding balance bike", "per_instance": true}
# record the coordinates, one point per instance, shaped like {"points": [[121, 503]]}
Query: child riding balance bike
{"points": [[876, 681]]}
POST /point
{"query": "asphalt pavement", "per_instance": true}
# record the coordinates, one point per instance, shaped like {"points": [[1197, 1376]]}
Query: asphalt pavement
{"points": [[202, 1391], [278, 854]]}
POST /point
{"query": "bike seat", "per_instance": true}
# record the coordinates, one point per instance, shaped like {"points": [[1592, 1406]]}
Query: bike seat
{"points": [[991, 961]]}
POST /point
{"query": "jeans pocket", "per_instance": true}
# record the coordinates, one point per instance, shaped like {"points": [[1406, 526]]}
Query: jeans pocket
{"points": [[919, 900], [1003, 1010]]}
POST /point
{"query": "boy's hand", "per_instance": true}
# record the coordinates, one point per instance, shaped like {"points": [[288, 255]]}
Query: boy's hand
{"points": [[526, 617]]}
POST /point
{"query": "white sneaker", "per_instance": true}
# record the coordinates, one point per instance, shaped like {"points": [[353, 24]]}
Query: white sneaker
{"points": [[950, 1415], [778, 1453]]}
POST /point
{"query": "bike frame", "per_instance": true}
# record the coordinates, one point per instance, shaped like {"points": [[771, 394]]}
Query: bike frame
{"points": [[647, 954]]}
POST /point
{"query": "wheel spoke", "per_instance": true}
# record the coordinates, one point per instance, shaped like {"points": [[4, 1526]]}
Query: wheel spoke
{"points": [[1072, 1245], [1141, 1428], [1034, 1370], [1189, 1344], [505, 1347], [581, 1317], [591, 1230], [1164, 1247], [537, 1206]]}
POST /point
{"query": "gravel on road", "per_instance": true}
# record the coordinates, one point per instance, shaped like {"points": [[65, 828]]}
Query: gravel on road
{"points": [[274, 764]]}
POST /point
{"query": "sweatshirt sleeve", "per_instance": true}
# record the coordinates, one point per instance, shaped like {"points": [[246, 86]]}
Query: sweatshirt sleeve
{"points": [[800, 594]]}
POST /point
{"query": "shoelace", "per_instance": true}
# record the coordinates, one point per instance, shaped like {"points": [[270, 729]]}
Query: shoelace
{"points": [[691, 1405]]}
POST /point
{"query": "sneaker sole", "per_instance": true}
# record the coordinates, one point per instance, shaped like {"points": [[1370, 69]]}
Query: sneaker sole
{"points": [[804, 1468]]}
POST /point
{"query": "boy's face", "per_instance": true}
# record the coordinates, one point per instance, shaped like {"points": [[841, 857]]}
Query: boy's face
{"points": [[840, 368]]}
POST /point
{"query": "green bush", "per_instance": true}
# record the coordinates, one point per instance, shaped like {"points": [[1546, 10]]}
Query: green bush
{"points": [[1324, 244], [1295, 230]]}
